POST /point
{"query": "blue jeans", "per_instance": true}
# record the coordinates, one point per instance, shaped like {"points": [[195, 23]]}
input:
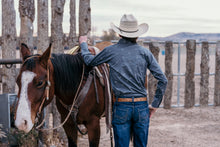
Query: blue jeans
{"points": [[130, 117]]}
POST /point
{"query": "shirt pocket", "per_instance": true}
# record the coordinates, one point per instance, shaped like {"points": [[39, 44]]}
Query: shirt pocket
{"points": [[120, 115]]}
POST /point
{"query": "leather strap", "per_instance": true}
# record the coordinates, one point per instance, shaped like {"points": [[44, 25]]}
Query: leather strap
{"points": [[84, 91], [139, 99]]}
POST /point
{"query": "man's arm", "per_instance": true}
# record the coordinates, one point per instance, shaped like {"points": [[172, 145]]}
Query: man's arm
{"points": [[90, 59], [87, 56], [162, 80]]}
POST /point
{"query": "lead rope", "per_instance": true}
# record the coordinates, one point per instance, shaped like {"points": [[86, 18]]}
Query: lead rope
{"points": [[67, 117]]}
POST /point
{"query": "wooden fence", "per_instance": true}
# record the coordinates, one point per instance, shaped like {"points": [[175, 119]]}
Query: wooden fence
{"points": [[189, 92], [9, 40]]}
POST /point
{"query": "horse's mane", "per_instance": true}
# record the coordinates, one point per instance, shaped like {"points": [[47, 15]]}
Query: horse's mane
{"points": [[67, 71]]}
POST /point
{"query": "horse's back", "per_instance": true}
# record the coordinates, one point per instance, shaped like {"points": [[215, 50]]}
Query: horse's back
{"points": [[102, 45]]}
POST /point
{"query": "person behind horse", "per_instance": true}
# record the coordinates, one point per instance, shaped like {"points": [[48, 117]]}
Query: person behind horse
{"points": [[128, 63]]}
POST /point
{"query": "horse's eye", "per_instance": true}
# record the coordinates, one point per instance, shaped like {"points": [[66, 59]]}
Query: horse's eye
{"points": [[40, 84]]}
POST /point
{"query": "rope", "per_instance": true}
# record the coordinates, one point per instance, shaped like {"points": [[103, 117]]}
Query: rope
{"points": [[45, 98], [74, 100]]}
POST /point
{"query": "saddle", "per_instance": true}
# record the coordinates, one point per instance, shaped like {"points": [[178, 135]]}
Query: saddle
{"points": [[102, 73]]}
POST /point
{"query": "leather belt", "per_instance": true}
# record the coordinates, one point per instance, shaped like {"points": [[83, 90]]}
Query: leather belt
{"points": [[139, 99]]}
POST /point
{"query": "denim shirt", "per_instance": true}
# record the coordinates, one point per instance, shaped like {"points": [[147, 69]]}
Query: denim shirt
{"points": [[128, 63]]}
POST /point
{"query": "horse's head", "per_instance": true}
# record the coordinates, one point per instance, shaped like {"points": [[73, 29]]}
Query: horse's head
{"points": [[32, 82]]}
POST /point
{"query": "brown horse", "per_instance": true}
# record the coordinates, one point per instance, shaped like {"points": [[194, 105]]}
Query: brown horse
{"points": [[64, 73]]}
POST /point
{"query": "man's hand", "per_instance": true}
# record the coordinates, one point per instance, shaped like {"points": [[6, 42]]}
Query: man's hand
{"points": [[92, 50], [152, 110], [82, 39]]}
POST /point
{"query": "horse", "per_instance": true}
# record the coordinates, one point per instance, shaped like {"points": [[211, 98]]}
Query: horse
{"points": [[42, 77]]}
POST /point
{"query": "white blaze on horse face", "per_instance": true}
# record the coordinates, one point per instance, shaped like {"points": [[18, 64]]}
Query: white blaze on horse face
{"points": [[23, 116]]}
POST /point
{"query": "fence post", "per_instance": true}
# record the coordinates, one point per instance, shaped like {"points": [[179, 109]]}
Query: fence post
{"points": [[42, 26], [84, 17], [217, 75], [8, 45], [42, 45], [168, 73], [72, 33], [204, 67], [152, 82], [190, 69], [27, 15], [57, 8]]}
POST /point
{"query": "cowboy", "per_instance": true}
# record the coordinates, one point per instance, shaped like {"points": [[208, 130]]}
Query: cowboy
{"points": [[128, 63]]}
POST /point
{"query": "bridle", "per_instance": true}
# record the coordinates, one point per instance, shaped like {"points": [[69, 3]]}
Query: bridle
{"points": [[47, 98], [47, 87], [47, 92]]}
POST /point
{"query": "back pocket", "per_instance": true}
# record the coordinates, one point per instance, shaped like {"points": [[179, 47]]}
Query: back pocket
{"points": [[120, 115], [143, 115]]}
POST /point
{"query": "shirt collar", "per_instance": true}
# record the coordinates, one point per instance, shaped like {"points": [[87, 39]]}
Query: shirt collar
{"points": [[124, 41]]}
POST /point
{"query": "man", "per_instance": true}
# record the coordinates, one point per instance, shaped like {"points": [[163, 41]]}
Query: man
{"points": [[128, 63]]}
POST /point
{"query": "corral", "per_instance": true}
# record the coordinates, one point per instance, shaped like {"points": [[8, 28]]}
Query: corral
{"points": [[189, 85]]}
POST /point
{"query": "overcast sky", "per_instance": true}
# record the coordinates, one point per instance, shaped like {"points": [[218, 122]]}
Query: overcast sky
{"points": [[165, 17]]}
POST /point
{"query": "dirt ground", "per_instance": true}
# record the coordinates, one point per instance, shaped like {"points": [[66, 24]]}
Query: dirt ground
{"points": [[177, 127]]}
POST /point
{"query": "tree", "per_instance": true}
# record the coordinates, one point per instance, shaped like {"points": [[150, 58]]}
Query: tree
{"points": [[109, 35]]}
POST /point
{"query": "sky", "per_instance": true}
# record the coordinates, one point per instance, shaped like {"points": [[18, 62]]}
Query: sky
{"points": [[164, 17]]}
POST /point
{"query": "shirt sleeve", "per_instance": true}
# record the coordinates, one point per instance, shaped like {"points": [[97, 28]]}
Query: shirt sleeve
{"points": [[156, 71], [91, 60]]}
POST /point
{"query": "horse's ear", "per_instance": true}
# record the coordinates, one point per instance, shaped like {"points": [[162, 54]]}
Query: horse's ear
{"points": [[25, 52], [46, 56]]}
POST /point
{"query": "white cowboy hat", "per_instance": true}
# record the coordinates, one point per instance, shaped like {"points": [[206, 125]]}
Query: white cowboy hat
{"points": [[129, 27]]}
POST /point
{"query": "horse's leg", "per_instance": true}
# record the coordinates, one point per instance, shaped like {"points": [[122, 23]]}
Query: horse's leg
{"points": [[93, 127], [69, 127]]}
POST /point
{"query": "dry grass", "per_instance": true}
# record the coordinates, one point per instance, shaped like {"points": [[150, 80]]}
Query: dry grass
{"points": [[2, 133]]}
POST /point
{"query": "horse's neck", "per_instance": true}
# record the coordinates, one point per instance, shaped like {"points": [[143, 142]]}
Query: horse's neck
{"points": [[67, 74]]}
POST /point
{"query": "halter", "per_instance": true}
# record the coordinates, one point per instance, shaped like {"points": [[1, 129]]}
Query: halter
{"points": [[47, 88], [47, 92]]}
